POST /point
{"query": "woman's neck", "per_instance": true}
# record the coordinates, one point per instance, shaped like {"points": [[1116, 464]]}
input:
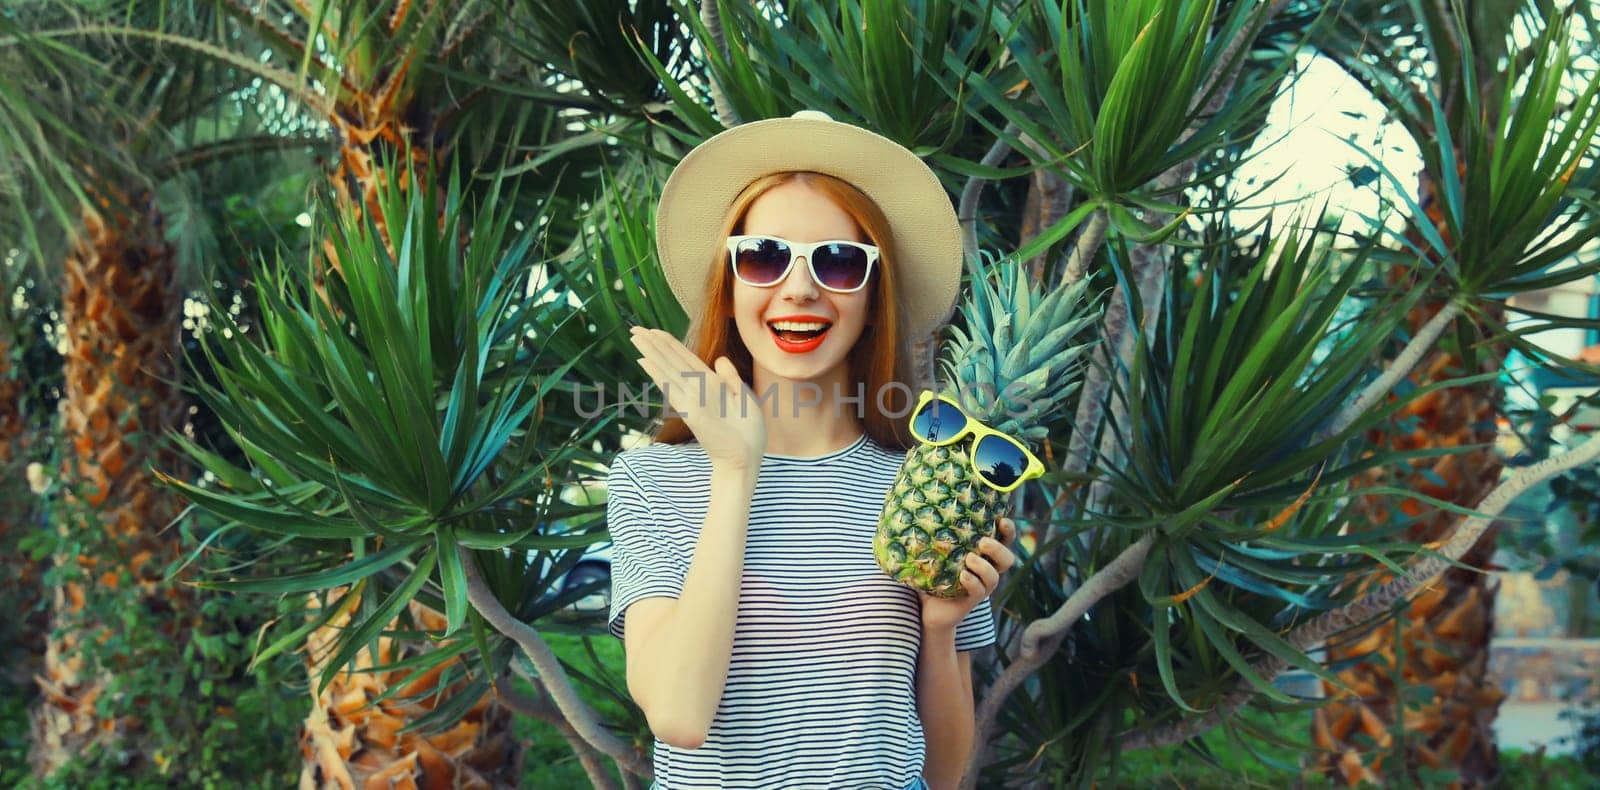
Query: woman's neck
{"points": [[810, 417]]}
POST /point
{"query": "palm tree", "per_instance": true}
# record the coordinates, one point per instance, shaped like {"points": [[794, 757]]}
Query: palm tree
{"points": [[1446, 631], [374, 74], [21, 113], [122, 306], [94, 149]]}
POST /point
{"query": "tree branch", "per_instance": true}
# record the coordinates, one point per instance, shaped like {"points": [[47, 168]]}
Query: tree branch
{"points": [[1150, 268], [1089, 420], [967, 209], [629, 781], [1049, 198], [1420, 344], [1219, 86], [551, 676], [1093, 395], [1091, 400], [542, 710], [711, 16], [1041, 639], [1089, 241], [1097, 381], [1360, 612]]}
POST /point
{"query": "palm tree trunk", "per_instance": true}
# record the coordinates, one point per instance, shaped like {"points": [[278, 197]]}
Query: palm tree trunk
{"points": [[122, 313], [351, 741], [1445, 632]]}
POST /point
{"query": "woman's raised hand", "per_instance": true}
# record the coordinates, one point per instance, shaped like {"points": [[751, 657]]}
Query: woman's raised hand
{"points": [[715, 403]]}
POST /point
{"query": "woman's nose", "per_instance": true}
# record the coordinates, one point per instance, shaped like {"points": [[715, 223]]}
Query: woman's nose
{"points": [[797, 285]]}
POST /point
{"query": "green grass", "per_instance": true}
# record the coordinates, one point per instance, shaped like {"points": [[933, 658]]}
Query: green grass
{"points": [[1229, 765], [1529, 769]]}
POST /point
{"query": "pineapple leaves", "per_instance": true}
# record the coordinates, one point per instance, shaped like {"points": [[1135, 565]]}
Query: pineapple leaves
{"points": [[1019, 350]]}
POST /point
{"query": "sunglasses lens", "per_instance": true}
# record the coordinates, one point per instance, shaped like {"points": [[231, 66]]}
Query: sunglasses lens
{"points": [[1000, 461], [842, 267], [938, 420], [761, 261]]}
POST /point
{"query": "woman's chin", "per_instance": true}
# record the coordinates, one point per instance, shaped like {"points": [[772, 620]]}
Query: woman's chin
{"points": [[795, 363], [813, 367]]}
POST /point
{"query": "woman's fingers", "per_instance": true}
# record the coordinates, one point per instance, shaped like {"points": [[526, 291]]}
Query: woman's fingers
{"points": [[649, 367], [650, 346], [981, 574], [986, 573], [998, 554], [687, 384], [972, 585], [652, 370], [730, 374], [673, 351], [666, 369], [1008, 530], [663, 372], [681, 369]]}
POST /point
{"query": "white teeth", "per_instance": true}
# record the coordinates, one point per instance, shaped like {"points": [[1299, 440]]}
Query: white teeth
{"points": [[799, 326]]}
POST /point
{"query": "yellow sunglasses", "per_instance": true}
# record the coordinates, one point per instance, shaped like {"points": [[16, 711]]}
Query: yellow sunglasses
{"points": [[997, 459]]}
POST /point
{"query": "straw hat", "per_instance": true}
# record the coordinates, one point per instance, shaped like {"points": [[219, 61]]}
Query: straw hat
{"points": [[927, 235]]}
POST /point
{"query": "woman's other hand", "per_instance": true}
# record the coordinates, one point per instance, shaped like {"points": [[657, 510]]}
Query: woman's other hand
{"points": [[980, 577], [715, 403]]}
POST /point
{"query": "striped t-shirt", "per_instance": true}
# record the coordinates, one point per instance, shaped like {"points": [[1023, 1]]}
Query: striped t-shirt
{"points": [[821, 690]]}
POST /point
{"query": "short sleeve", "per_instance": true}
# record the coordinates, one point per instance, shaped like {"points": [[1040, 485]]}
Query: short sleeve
{"points": [[643, 562], [976, 630]]}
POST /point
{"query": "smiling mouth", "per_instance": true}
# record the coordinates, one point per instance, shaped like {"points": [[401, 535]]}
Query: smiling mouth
{"points": [[797, 341], [792, 335]]}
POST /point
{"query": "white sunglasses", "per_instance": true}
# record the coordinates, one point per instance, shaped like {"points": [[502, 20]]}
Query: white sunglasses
{"points": [[837, 265]]}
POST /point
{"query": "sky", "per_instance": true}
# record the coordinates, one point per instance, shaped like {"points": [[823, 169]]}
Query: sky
{"points": [[1308, 139]]}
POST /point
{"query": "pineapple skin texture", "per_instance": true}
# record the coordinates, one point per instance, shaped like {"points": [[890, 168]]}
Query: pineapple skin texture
{"points": [[934, 514]]}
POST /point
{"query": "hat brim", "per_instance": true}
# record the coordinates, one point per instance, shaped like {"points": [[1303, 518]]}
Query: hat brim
{"points": [[927, 235]]}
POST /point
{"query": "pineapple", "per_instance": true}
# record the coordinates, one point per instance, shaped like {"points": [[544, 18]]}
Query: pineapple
{"points": [[1015, 363]]}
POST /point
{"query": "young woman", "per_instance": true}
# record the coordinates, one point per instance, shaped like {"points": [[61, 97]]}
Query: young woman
{"points": [[762, 641]]}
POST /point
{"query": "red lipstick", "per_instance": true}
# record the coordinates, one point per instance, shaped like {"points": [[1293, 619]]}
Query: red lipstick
{"points": [[798, 346]]}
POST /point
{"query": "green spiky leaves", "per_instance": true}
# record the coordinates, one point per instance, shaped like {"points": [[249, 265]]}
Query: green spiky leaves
{"points": [[394, 414]]}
